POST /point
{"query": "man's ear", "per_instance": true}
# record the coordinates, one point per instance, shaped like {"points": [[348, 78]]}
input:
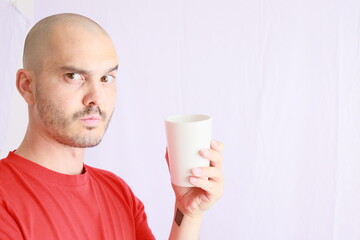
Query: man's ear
{"points": [[25, 85]]}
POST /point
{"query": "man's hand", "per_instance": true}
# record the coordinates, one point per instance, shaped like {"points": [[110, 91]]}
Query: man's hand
{"points": [[208, 182]]}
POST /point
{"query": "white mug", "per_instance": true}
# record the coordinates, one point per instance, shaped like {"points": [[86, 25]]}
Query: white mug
{"points": [[186, 135]]}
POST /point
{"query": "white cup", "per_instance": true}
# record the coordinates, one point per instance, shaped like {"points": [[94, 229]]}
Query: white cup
{"points": [[186, 136]]}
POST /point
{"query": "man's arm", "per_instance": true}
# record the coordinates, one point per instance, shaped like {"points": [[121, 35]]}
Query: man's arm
{"points": [[185, 226], [192, 202]]}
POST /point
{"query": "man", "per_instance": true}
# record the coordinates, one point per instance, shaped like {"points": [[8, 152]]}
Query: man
{"points": [[46, 190]]}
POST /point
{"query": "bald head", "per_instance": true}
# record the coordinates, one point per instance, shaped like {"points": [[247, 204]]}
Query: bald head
{"points": [[68, 80], [40, 39]]}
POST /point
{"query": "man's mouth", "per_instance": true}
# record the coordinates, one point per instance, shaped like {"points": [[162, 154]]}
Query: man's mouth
{"points": [[91, 120]]}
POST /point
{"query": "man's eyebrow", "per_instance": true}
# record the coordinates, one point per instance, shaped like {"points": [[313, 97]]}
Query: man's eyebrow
{"points": [[82, 71], [74, 69], [113, 69]]}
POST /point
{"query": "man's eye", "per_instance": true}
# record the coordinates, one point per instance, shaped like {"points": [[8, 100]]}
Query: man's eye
{"points": [[73, 76], [107, 79]]}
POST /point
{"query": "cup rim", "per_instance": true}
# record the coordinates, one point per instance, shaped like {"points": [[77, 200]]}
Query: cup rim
{"points": [[187, 118]]}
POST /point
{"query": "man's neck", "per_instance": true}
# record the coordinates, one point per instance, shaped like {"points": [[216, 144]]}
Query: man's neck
{"points": [[51, 154]]}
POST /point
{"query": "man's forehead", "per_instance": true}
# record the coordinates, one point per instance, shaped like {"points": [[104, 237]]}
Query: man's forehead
{"points": [[82, 51]]}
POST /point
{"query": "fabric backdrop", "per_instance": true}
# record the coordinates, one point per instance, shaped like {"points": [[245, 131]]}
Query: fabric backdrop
{"points": [[280, 79]]}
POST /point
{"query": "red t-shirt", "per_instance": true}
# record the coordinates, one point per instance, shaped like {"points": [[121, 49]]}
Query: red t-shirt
{"points": [[37, 203]]}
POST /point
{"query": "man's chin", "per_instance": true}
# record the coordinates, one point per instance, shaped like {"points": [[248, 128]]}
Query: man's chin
{"points": [[87, 145], [81, 142], [82, 137]]}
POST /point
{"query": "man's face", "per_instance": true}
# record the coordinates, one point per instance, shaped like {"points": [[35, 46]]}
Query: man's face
{"points": [[75, 88]]}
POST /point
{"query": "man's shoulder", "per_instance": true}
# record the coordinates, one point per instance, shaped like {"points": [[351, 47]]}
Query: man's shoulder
{"points": [[7, 174], [98, 172], [110, 182], [5, 169], [105, 176]]}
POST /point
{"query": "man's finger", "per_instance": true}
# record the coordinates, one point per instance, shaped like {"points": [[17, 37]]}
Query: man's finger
{"points": [[213, 173], [214, 156], [211, 187], [217, 145]]}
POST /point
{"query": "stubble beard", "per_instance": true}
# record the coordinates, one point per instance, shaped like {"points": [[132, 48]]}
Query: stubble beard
{"points": [[58, 126]]}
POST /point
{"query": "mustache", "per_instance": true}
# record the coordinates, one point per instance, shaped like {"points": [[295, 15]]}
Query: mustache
{"points": [[88, 111]]}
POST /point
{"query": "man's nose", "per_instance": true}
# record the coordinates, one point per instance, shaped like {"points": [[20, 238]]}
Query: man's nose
{"points": [[94, 95]]}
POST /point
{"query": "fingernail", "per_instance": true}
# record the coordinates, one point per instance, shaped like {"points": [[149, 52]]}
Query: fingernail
{"points": [[205, 152], [193, 180], [197, 172]]}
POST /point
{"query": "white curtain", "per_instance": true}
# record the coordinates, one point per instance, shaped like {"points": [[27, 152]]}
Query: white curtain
{"points": [[279, 78]]}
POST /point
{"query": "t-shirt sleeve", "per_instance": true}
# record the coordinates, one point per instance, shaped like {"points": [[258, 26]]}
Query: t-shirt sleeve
{"points": [[143, 231], [133, 210], [9, 229]]}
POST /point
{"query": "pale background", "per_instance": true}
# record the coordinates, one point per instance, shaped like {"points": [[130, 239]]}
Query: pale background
{"points": [[280, 79]]}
